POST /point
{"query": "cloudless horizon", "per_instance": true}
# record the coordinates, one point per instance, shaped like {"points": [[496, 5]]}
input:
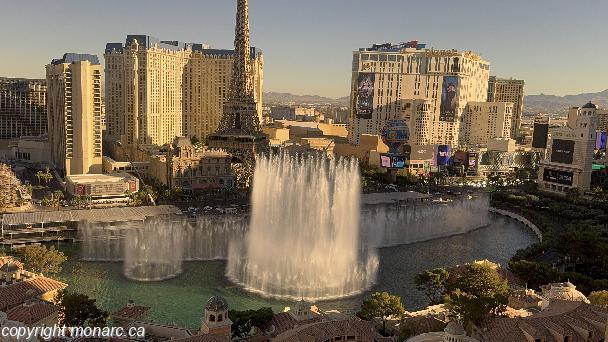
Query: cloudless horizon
{"points": [[557, 46]]}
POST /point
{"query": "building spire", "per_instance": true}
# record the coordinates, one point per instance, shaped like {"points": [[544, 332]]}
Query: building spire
{"points": [[242, 77]]}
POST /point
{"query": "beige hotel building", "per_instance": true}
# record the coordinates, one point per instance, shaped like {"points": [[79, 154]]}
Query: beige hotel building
{"points": [[508, 90], [157, 90], [438, 92], [74, 113]]}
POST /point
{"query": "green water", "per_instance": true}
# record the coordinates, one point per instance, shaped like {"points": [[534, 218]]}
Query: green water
{"points": [[181, 300]]}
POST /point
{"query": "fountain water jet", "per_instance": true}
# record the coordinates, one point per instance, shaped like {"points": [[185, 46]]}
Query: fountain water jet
{"points": [[303, 239], [153, 251]]}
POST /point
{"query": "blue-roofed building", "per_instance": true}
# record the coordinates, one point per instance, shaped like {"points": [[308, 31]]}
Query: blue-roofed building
{"points": [[183, 87]]}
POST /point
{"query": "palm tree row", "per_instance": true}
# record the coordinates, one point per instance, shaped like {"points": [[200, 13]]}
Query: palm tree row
{"points": [[45, 175]]}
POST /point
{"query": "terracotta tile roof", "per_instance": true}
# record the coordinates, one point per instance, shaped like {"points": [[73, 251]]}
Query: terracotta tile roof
{"points": [[17, 293], [423, 324], [200, 338], [362, 330], [284, 321], [30, 313], [562, 318], [131, 312]]}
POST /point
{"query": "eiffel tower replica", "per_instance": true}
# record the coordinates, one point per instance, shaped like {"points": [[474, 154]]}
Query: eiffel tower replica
{"points": [[239, 132]]}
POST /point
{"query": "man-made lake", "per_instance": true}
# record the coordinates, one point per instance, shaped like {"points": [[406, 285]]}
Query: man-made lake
{"points": [[181, 300]]}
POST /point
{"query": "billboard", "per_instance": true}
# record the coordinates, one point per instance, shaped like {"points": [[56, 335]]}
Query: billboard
{"points": [[423, 152], [385, 161], [398, 162], [81, 189], [558, 176], [472, 157], [393, 161], [460, 158], [562, 151], [539, 136], [443, 155], [600, 141], [365, 95], [132, 186], [449, 98]]}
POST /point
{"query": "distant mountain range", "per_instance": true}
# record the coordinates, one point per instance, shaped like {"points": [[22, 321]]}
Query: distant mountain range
{"points": [[287, 98], [533, 103], [559, 104]]}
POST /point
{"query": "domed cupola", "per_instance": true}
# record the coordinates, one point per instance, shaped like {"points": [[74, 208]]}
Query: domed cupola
{"points": [[215, 320], [590, 105]]}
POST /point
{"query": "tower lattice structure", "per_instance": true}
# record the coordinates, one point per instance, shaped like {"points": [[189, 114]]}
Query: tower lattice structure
{"points": [[240, 132]]}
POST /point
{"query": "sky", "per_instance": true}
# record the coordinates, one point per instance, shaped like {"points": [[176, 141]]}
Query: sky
{"points": [[558, 46]]}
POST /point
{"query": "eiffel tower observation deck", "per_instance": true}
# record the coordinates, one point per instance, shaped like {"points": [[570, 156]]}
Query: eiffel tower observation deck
{"points": [[240, 132]]}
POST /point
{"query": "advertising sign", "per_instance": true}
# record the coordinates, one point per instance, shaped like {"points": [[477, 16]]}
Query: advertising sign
{"points": [[393, 161], [472, 157], [449, 98], [423, 152], [562, 151], [539, 136], [600, 141], [132, 186], [365, 95], [80, 189], [385, 161], [460, 158], [443, 155], [394, 134], [558, 176], [398, 162]]}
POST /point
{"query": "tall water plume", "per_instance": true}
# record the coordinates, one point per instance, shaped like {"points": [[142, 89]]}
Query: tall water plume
{"points": [[153, 251], [303, 239]]}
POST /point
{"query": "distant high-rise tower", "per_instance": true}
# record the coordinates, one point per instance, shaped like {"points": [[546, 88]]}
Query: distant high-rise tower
{"points": [[508, 90], [441, 94], [74, 113], [22, 107], [239, 132], [181, 87]]}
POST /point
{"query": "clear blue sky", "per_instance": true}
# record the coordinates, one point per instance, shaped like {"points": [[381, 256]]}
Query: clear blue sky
{"points": [[558, 46]]}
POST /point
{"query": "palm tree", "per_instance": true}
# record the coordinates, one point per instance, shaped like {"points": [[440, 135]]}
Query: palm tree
{"points": [[87, 200], [39, 175], [57, 196], [47, 175]]}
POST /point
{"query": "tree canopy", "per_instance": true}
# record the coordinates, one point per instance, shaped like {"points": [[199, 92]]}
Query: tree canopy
{"points": [[382, 305], [476, 293], [40, 259], [599, 298], [79, 310], [432, 283], [244, 321]]}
